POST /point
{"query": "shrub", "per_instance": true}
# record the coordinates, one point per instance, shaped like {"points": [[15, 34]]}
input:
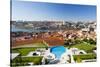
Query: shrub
{"points": [[84, 57]]}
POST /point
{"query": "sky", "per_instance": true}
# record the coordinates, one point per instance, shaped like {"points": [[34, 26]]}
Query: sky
{"points": [[41, 11]]}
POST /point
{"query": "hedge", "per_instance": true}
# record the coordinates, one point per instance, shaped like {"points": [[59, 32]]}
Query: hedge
{"points": [[25, 60]]}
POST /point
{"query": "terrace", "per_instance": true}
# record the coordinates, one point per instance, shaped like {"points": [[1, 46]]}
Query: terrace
{"points": [[52, 55]]}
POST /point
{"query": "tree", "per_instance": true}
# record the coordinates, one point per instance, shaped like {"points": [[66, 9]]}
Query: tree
{"points": [[69, 42]]}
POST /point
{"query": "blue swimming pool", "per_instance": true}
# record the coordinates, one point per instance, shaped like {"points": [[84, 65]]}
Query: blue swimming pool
{"points": [[58, 51]]}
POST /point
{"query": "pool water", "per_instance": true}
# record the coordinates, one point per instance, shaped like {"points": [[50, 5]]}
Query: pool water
{"points": [[58, 51]]}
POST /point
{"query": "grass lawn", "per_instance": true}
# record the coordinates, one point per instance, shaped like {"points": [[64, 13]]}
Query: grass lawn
{"points": [[23, 51], [84, 46]]}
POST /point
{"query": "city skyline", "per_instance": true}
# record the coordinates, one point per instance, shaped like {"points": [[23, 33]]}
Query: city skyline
{"points": [[41, 11]]}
